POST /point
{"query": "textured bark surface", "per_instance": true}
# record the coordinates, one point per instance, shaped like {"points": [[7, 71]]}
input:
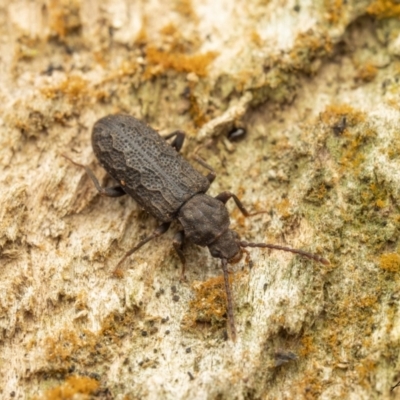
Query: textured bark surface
{"points": [[316, 85]]}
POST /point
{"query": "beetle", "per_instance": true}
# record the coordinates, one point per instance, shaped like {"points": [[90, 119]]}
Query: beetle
{"points": [[151, 171]]}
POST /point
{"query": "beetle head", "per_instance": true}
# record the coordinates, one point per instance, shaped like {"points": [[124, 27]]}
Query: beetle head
{"points": [[226, 246]]}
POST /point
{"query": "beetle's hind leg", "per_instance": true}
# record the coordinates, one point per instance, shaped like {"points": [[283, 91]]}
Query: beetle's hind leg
{"points": [[113, 191]]}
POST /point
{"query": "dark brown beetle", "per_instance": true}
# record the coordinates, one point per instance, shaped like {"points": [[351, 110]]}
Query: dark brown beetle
{"points": [[152, 171]]}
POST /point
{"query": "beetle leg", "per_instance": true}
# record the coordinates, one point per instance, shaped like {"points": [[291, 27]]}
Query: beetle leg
{"points": [[225, 196], [178, 243], [211, 175], [229, 299], [114, 191], [179, 138], [177, 144], [161, 229]]}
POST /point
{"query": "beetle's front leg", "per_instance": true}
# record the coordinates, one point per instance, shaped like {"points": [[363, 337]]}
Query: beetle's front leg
{"points": [[225, 196]]}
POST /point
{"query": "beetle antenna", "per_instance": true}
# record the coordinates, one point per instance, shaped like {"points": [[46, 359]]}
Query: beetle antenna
{"points": [[311, 256], [229, 300]]}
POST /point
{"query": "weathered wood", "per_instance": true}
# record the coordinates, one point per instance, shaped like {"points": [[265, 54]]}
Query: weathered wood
{"points": [[291, 73]]}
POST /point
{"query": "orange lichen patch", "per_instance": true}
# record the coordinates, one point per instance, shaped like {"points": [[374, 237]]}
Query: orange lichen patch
{"points": [[66, 345], [27, 48], [380, 203], [100, 57], [393, 150], [159, 61], [141, 37], [243, 78], [308, 47], [307, 346], [118, 273], [333, 341], [185, 8], [176, 41], [198, 116], [283, 208], [335, 112], [64, 17], [256, 38], [73, 88], [72, 388], [315, 43], [348, 123], [126, 68], [71, 346], [101, 95], [209, 305], [366, 73], [384, 8], [391, 313], [117, 325], [367, 302], [239, 218], [375, 189], [259, 207], [334, 8], [390, 262], [351, 157], [81, 301], [364, 370], [353, 307], [311, 386], [393, 102], [169, 29], [317, 194]]}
